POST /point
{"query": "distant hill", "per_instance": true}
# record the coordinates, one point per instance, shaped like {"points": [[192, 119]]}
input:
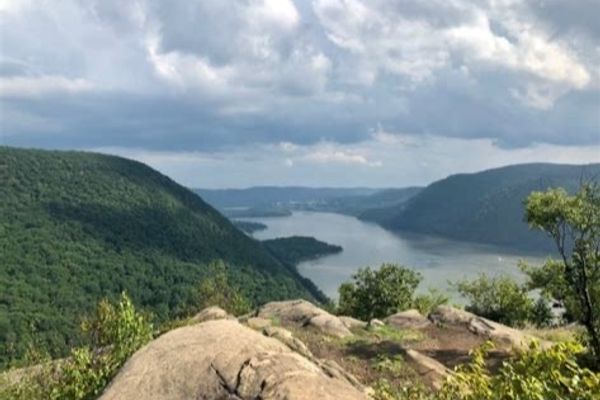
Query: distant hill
{"points": [[263, 196], [75, 227], [484, 207], [270, 201], [359, 205]]}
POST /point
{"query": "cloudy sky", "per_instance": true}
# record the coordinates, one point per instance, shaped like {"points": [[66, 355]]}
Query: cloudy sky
{"points": [[230, 93]]}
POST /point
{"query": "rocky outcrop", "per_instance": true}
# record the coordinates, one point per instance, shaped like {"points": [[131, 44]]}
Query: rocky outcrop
{"points": [[302, 313], [485, 328], [222, 359], [209, 314], [409, 319]]}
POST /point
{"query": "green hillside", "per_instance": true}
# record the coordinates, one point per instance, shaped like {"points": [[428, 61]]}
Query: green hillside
{"points": [[75, 227], [484, 207]]}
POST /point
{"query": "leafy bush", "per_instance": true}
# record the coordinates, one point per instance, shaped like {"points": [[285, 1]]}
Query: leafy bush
{"points": [[500, 299], [216, 290], [378, 293], [426, 302], [541, 313], [114, 333], [573, 222], [536, 374]]}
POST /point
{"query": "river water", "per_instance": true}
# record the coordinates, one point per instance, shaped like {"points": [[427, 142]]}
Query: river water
{"points": [[367, 244]]}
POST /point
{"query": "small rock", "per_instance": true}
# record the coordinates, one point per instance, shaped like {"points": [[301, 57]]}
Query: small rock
{"points": [[409, 319], [303, 313], [258, 323], [376, 322], [330, 325], [432, 370], [210, 314], [352, 323]]}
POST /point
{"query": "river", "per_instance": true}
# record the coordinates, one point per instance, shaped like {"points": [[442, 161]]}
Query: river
{"points": [[367, 244]]}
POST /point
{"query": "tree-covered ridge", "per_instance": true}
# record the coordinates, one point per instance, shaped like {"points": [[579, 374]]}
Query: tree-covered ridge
{"points": [[75, 227], [485, 207], [295, 249], [249, 226]]}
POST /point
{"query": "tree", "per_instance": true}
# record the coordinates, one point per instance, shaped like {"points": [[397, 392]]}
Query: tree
{"points": [[573, 222], [378, 293], [500, 299], [216, 290]]}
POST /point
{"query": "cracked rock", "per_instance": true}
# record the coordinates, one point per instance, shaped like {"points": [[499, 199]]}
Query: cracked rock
{"points": [[223, 359]]}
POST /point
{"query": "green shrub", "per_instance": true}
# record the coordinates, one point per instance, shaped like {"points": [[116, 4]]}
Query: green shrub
{"points": [[378, 293], [114, 333], [500, 299], [427, 302], [541, 313], [535, 374], [216, 290]]}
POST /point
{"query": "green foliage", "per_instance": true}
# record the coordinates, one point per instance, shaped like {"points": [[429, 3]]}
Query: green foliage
{"points": [[573, 222], [499, 298], [216, 290], [75, 227], [541, 313], [427, 302], [384, 390], [295, 249], [114, 333], [378, 293], [535, 374]]}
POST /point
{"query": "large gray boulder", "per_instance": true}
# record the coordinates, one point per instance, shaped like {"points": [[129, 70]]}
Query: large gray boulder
{"points": [[409, 319], [304, 313], [222, 359]]}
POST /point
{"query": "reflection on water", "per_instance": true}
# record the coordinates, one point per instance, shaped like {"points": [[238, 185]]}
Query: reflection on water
{"points": [[439, 260]]}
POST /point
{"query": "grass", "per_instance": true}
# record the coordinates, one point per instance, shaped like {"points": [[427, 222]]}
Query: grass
{"points": [[559, 334]]}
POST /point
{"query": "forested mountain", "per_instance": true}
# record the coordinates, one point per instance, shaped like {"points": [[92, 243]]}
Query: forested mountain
{"points": [[484, 207], [75, 227]]}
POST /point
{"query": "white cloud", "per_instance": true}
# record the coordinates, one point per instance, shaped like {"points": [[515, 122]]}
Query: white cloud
{"points": [[416, 42], [339, 156], [19, 87]]}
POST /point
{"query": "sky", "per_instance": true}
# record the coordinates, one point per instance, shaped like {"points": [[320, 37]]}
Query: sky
{"points": [[237, 93]]}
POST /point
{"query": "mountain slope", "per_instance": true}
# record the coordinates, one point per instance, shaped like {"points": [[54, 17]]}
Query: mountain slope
{"points": [[75, 227], [484, 207]]}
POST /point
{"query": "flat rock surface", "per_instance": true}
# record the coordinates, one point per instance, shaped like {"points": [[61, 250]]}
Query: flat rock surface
{"points": [[482, 327], [222, 359]]}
